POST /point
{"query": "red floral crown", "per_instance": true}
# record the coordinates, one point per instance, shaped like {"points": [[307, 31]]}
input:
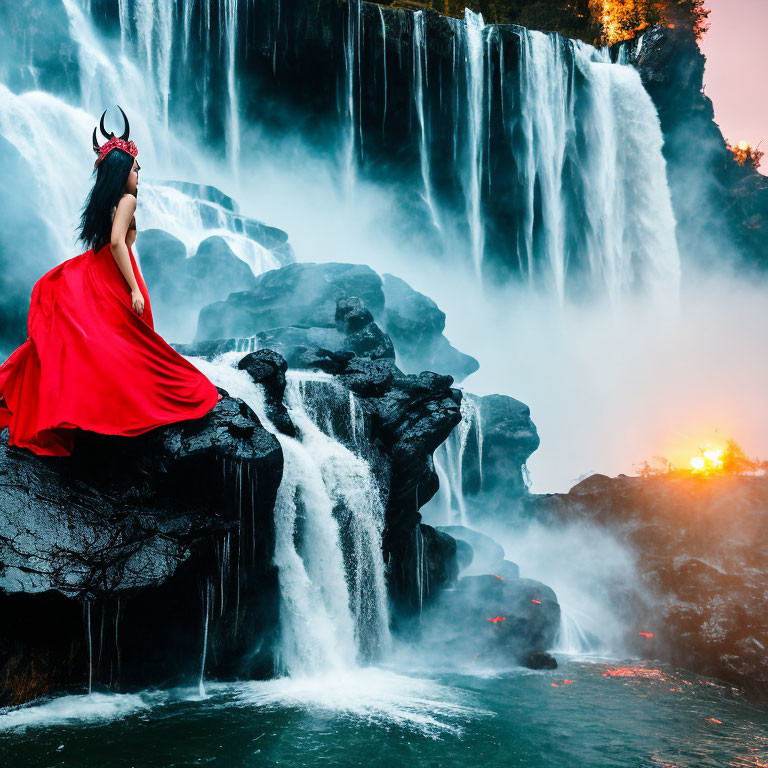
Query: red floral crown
{"points": [[113, 142]]}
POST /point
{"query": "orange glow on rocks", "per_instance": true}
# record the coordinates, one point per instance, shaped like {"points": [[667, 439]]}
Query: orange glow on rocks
{"points": [[643, 672], [497, 619]]}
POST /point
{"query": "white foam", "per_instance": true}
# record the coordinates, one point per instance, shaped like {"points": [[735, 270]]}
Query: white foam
{"points": [[371, 694], [79, 709]]}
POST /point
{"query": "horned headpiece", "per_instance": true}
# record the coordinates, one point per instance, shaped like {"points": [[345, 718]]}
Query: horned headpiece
{"points": [[113, 142]]}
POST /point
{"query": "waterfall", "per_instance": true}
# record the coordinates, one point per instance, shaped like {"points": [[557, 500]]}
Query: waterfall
{"points": [[353, 89], [534, 154], [233, 124], [421, 83], [475, 74], [204, 653], [328, 524], [449, 505]]}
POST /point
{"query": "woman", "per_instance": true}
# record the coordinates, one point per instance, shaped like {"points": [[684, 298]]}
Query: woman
{"points": [[92, 359]]}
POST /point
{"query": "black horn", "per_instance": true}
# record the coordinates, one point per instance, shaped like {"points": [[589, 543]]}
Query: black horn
{"points": [[127, 130], [96, 147], [103, 129]]}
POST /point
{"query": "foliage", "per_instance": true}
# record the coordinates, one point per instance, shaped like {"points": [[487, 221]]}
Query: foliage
{"points": [[732, 461]]}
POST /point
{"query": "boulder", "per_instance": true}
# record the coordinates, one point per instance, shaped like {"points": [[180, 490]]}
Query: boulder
{"points": [[416, 325], [268, 368], [304, 311], [126, 546], [215, 271], [501, 621], [295, 295]]}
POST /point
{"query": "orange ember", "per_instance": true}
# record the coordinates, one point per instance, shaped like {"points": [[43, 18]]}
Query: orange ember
{"points": [[497, 619], [554, 685], [714, 720], [567, 682], [475, 657], [649, 674], [534, 600], [646, 634], [497, 576]]}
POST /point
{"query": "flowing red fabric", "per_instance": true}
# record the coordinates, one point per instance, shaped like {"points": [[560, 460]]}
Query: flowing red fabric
{"points": [[91, 362]]}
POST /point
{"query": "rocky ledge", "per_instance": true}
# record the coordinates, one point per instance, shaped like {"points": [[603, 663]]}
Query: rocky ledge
{"points": [[702, 553], [109, 558]]}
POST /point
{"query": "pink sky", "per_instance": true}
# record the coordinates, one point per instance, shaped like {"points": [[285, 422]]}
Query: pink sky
{"points": [[737, 60]]}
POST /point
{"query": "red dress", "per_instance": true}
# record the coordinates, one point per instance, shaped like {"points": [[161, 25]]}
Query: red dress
{"points": [[91, 362]]}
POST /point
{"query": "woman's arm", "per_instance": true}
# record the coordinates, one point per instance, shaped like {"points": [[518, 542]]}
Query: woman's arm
{"points": [[120, 224]]}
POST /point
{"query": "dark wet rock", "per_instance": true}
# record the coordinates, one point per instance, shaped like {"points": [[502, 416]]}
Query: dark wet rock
{"points": [[405, 419], [509, 438], [267, 367], [181, 284], [364, 337], [429, 565], [508, 570], [304, 295], [310, 313], [368, 378], [416, 325], [500, 620], [135, 537], [540, 660], [701, 548]]}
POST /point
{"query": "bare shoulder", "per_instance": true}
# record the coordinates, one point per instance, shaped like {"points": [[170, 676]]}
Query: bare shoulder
{"points": [[127, 203]]}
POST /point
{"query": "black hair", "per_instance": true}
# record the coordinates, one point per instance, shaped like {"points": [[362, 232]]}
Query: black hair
{"points": [[111, 176]]}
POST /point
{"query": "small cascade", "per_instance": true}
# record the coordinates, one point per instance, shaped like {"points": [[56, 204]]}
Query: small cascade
{"points": [[449, 505], [329, 519], [89, 635], [572, 639], [204, 654]]}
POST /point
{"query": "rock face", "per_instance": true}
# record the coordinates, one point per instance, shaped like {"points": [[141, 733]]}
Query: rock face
{"points": [[406, 418], [318, 315], [702, 546], [416, 325], [497, 619], [126, 545], [721, 207]]}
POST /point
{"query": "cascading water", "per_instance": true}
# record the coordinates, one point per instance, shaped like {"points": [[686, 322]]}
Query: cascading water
{"points": [[584, 198], [51, 131], [556, 173], [449, 506], [328, 524]]}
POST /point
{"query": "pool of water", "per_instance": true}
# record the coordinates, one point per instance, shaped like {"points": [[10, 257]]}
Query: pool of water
{"points": [[587, 713]]}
